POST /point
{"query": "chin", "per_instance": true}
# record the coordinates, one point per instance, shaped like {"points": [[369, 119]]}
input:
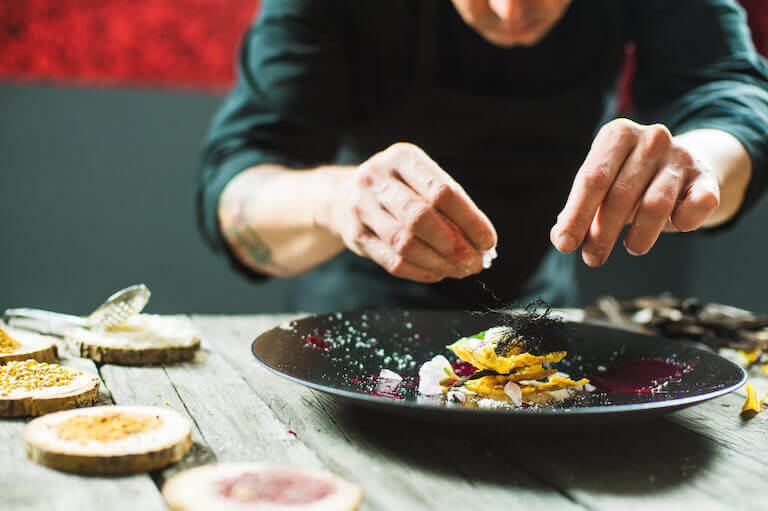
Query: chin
{"points": [[509, 41]]}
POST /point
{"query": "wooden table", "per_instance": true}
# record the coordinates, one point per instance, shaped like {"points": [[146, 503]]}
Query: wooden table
{"points": [[706, 457]]}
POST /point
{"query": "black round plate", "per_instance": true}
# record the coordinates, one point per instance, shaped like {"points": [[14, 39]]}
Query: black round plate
{"points": [[340, 353]]}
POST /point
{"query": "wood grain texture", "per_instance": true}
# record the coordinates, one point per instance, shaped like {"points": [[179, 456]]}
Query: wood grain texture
{"points": [[47, 353], [686, 458], [127, 356], [151, 386], [27, 486], [704, 457]]}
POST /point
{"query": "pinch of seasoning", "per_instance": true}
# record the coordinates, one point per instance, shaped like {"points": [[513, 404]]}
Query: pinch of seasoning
{"points": [[7, 343], [106, 427], [752, 405], [33, 375]]}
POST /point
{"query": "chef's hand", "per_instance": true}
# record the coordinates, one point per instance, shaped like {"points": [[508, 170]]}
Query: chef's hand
{"points": [[401, 210], [637, 175]]}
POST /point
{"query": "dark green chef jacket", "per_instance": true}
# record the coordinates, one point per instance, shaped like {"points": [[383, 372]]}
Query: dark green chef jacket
{"points": [[335, 81]]}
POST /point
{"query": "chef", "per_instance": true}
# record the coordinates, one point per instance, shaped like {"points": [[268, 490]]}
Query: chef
{"points": [[383, 150]]}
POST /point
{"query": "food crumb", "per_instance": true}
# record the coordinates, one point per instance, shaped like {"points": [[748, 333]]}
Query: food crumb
{"points": [[166, 403]]}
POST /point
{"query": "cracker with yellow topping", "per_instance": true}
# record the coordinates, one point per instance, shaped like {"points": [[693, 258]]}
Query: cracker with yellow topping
{"points": [[109, 440], [20, 345]]}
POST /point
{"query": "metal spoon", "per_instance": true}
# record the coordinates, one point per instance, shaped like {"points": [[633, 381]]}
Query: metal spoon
{"points": [[114, 311]]}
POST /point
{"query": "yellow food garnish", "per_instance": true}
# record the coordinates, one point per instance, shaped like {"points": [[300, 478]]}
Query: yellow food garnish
{"points": [[7, 343], [486, 383], [33, 375], [493, 386], [751, 356], [513, 365], [554, 383], [484, 356], [752, 405]]}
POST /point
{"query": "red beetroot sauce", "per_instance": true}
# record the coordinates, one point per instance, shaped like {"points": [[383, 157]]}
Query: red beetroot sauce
{"points": [[318, 343], [463, 369], [641, 375], [275, 486]]}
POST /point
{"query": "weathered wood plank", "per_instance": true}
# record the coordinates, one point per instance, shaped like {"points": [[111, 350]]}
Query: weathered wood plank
{"points": [[26, 486], [720, 420], [418, 471], [151, 386]]}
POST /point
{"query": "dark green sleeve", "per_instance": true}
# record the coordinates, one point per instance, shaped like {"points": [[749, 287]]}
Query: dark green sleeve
{"points": [[289, 102], [697, 68]]}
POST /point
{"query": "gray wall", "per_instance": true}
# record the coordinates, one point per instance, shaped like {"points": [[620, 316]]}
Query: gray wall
{"points": [[97, 191]]}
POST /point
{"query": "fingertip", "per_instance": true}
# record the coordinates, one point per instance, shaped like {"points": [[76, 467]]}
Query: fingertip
{"points": [[488, 241], [563, 241], [632, 252], [590, 259]]}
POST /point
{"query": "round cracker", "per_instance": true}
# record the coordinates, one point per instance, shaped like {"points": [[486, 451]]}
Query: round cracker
{"points": [[201, 489], [32, 346], [82, 391], [139, 452], [144, 339]]}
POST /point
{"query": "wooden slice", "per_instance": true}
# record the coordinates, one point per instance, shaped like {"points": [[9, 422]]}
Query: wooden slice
{"points": [[262, 486], [83, 390], [144, 339], [30, 346], [109, 440]]}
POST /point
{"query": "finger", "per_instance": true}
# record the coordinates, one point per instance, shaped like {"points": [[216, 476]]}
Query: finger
{"points": [[592, 182], [405, 243], [625, 192], [699, 200], [378, 250], [429, 181], [654, 211], [428, 224]]}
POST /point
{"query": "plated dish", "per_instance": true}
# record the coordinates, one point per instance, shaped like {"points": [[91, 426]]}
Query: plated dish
{"points": [[374, 358]]}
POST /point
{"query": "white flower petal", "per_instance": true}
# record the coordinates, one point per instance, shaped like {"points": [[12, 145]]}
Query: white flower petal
{"points": [[387, 383], [512, 389], [431, 374], [386, 374]]}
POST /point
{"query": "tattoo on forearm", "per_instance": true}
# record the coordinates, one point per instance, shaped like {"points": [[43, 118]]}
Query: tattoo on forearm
{"points": [[243, 238]]}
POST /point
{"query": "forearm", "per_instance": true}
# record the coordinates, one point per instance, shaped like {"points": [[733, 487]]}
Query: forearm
{"points": [[727, 158], [274, 219]]}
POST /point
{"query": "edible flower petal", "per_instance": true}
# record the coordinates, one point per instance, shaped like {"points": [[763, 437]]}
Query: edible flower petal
{"points": [[512, 390], [387, 383], [752, 405], [432, 373], [386, 374]]}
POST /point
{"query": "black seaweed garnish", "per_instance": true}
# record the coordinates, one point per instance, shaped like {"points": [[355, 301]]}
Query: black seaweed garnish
{"points": [[534, 331]]}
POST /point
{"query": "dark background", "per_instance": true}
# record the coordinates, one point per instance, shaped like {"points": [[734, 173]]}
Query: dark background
{"points": [[97, 192]]}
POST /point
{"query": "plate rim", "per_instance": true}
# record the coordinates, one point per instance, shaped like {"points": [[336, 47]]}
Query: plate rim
{"points": [[674, 404]]}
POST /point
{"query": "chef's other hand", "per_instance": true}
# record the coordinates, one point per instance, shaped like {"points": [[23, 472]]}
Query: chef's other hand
{"points": [[401, 210], [637, 175]]}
